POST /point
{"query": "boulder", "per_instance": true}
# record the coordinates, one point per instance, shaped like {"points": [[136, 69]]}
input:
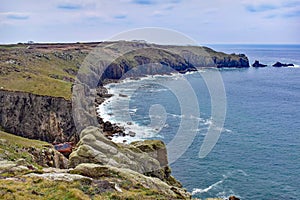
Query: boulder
{"points": [[279, 64], [257, 64]]}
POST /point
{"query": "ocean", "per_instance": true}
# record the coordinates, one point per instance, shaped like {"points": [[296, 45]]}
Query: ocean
{"points": [[257, 155]]}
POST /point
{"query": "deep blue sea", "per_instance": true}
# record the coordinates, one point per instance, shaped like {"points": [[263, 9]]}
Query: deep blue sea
{"points": [[258, 153]]}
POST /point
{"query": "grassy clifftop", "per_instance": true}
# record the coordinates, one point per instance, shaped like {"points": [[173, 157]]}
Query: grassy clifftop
{"points": [[40, 69], [50, 69]]}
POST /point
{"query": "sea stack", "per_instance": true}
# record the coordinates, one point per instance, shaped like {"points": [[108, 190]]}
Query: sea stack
{"points": [[257, 64]]}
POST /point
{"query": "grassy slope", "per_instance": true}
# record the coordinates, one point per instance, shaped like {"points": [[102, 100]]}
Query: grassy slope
{"points": [[21, 187], [13, 147], [38, 70]]}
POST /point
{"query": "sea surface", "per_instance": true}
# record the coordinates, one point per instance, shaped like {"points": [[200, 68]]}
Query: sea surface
{"points": [[258, 153]]}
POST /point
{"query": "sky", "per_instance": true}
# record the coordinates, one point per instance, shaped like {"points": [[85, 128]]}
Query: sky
{"points": [[205, 21]]}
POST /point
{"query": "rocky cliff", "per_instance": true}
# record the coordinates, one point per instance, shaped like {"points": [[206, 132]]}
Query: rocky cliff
{"points": [[115, 60], [37, 117], [37, 83], [44, 73]]}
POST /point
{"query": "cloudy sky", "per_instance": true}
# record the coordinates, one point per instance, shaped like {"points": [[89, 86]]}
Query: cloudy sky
{"points": [[206, 21]]}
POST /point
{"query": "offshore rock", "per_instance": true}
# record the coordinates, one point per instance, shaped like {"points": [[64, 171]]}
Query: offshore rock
{"points": [[257, 64], [279, 64]]}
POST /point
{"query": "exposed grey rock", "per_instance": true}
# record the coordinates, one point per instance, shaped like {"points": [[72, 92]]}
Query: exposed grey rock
{"points": [[60, 176], [94, 147], [149, 157], [99, 171], [37, 117]]}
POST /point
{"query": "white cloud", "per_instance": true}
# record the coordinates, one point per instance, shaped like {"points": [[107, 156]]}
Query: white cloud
{"points": [[215, 21]]}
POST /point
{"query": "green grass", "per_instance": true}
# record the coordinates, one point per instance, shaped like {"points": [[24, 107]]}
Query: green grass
{"points": [[17, 141], [37, 188], [14, 147], [31, 70]]}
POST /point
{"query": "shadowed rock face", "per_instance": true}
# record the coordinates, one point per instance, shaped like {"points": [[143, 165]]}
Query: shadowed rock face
{"points": [[37, 117], [160, 59]]}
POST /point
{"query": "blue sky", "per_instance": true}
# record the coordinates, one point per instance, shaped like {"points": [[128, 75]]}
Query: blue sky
{"points": [[207, 22]]}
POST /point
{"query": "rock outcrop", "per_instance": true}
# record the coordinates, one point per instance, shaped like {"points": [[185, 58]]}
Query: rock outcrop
{"points": [[257, 64], [149, 157], [123, 174], [37, 117], [279, 64]]}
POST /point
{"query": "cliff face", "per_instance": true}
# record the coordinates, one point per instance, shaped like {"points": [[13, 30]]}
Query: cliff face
{"points": [[38, 117], [149, 59]]}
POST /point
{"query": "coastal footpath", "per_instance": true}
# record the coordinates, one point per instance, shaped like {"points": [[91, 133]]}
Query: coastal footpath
{"points": [[40, 84]]}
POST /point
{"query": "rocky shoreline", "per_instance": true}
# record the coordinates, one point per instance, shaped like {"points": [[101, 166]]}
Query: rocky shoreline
{"points": [[39, 105]]}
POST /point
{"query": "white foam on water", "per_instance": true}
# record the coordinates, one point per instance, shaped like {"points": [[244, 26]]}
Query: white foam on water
{"points": [[295, 66], [108, 113], [242, 172], [200, 191]]}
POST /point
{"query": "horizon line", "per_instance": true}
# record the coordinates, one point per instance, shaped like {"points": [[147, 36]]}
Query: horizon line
{"points": [[32, 42]]}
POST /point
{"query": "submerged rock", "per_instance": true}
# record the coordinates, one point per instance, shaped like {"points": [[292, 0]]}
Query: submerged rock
{"points": [[131, 134]]}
